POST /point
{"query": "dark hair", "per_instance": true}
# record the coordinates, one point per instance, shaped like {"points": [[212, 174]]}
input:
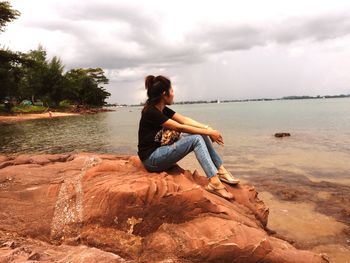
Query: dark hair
{"points": [[155, 87]]}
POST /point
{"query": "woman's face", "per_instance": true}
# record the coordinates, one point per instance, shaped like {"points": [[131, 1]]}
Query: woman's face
{"points": [[169, 99]]}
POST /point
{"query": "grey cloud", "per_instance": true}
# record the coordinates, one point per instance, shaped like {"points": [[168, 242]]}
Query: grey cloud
{"points": [[144, 32], [234, 37], [319, 28], [221, 38], [132, 14]]}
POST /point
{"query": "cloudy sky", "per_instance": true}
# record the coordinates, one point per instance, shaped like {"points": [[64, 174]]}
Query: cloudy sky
{"points": [[209, 49]]}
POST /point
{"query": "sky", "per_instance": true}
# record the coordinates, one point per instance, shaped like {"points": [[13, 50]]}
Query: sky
{"points": [[209, 49]]}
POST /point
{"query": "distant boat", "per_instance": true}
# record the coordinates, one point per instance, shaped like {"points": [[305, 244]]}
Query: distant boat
{"points": [[218, 101]]}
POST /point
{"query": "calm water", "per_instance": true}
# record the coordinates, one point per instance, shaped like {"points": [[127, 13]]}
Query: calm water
{"points": [[319, 148], [319, 145]]}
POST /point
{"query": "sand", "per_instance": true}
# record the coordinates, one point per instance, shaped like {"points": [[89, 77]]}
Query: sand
{"points": [[33, 116]]}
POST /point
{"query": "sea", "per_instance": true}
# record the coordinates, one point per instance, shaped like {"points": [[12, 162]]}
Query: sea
{"points": [[319, 143], [318, 149]]}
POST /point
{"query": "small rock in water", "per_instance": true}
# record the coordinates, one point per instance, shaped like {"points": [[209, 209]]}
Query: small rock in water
{"points": [[282, 134]]}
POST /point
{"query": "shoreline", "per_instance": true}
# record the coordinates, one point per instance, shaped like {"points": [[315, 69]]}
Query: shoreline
{"points": [[46, 115], [34, 116], [310, 214]]}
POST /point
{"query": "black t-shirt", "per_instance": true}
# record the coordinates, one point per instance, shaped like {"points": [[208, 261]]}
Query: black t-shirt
{"points": [[150, 124]]}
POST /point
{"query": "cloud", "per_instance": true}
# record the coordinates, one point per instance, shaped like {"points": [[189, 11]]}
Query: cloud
{"points": [[233, 37], [130, 40], [318, 28], [118, 36]]}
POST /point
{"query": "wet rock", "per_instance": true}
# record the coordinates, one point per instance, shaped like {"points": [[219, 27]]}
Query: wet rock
{"points": [[282, 134], [113, 204]]}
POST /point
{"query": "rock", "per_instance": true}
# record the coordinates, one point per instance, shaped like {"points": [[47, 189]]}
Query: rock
{"points": [[282, 134], [37, 251], [103, 206], [3, 158]]}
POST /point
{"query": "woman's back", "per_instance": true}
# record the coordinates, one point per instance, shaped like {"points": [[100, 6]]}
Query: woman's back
{"points": [[149, 129]]}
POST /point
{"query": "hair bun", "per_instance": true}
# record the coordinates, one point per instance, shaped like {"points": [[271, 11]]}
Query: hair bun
{"points": [[149, 81]]}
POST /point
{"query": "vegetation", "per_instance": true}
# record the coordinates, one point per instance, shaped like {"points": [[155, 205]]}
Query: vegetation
{"points": [[28, 108], [32, 76], [7, 14]]}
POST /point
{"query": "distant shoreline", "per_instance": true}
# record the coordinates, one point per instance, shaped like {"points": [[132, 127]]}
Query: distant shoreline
{"points": [[261, 99]]}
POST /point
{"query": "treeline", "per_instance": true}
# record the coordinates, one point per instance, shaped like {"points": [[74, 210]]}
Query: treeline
{"points": [[32, 76], [261, 99], [317, 97]]}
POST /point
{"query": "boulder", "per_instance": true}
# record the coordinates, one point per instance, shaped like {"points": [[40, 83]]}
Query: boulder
{"points": [[110, 205], [282, 134]]}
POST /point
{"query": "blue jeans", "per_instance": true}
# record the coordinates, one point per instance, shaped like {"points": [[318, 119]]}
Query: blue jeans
{"points": [[166, 156]]}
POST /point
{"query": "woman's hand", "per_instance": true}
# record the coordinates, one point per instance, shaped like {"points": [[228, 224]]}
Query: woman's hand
{"points": [[210, 128], [215, 136]]}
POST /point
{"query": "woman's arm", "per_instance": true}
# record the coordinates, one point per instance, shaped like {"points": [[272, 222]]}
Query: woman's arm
{"points": [[188, 121], [174, 125]]}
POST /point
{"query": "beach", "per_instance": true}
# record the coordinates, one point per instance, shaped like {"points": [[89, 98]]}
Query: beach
{"points": [[34, 116]]}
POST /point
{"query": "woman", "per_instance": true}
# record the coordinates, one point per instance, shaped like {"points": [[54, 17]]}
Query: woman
{"points": [[195, 137]]}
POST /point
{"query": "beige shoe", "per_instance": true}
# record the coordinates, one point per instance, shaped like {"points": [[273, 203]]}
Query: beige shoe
{"points": [[228, 178], [215, 190]]}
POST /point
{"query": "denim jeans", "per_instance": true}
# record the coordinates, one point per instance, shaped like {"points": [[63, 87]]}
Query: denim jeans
{"points": [[166, 156]]}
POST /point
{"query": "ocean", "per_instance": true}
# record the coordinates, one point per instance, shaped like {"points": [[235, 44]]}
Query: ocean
{"points": [[304, 179], [319, 143]]}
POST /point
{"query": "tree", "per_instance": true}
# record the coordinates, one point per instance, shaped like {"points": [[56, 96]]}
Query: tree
{"points": [[97, 74], [9, 61], [52, 92], [11, 72], [30, 75], [84, 86], [33, 81], [7, 14]]}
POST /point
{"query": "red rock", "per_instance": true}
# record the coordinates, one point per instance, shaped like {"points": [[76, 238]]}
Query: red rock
{"points": [[3, 158], [29, 250], [113, 204]]}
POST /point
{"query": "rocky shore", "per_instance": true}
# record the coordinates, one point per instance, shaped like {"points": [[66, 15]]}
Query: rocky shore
{"points": [[107, 208]]}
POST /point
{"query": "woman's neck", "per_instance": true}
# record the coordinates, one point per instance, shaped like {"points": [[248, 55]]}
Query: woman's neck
{"points": [[160, 106]]}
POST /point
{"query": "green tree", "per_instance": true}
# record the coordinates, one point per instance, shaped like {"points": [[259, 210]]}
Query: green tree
{"points": [[7, 14], [9, 61], [53, 88], [33, 81], [10, 72], [31, 75], [84, 86]]}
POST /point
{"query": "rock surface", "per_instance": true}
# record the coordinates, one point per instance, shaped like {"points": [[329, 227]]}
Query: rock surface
{"points": [[106, 208], [282, 134]]}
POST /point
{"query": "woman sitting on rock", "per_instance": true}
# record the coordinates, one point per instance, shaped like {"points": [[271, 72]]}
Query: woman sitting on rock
{"points": [[157, 119]]}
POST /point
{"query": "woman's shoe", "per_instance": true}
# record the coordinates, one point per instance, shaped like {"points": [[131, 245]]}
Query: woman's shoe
{"points": [[215, 190], [228, 178]]}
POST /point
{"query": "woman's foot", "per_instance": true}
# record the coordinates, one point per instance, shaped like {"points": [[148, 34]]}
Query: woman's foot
{"points": [[226, 176], [220, 191]]}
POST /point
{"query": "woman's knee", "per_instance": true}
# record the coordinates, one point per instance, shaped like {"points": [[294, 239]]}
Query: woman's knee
{"points": [[198, 139]]}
